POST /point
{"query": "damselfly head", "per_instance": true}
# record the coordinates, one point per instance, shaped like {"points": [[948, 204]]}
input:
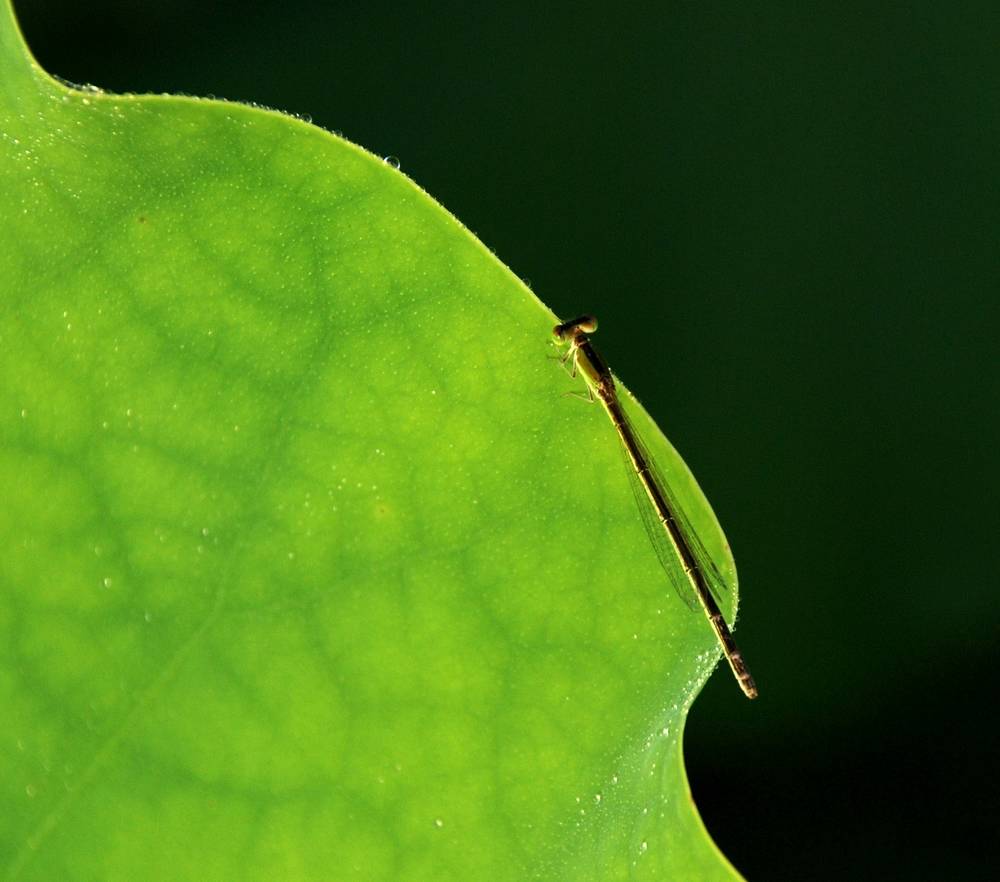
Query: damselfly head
{"points": [[584, 324]]}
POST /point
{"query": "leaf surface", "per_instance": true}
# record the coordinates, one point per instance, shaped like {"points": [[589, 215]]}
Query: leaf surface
{"points": [[309, 569]]}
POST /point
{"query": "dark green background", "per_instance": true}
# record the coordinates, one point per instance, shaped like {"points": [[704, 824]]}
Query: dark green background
{"points": [[787, 221]]}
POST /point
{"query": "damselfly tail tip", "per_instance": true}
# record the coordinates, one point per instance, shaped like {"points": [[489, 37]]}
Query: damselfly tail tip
{"points": [[742, 674]]}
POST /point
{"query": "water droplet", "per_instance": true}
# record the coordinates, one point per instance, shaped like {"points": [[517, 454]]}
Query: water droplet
{"points": [[598, 797], [106, 582], [643, 846], [148, 616], [439, 823], [31, 790], [391, 161]]}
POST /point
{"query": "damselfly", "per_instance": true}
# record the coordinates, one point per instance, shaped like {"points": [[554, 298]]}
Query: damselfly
{"points": [[689, 566]]}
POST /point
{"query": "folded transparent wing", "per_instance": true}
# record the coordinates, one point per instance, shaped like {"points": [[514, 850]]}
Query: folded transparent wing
{"points": [[659, 539]]}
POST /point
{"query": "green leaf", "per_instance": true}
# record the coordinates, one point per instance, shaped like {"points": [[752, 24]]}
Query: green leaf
{"points": [[309, 568]]}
